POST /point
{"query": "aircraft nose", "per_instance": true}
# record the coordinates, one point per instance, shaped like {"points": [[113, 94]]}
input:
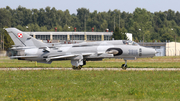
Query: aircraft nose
{"points": [[148, 52]]}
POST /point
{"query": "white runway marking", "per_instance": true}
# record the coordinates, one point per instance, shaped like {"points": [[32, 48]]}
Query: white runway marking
{"points": [[98, 69]]}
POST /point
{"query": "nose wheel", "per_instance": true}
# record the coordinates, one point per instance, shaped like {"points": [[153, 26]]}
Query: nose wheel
{"points": [[124, 66]]}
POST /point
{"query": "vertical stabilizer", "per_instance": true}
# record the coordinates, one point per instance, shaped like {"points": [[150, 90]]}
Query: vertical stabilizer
{"points": [[22, 39]]}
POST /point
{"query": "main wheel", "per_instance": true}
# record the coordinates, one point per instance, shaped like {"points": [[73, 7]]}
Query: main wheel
{"points": [[76, 68], [124, 66], [79, 67]]}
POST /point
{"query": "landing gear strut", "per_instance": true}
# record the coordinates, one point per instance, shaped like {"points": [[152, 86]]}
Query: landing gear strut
{"points": [[124, 66]]}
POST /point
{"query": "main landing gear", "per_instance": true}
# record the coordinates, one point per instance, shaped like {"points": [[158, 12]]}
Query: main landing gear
{"points": [[77, 64], [76, 68], [124, 66]]}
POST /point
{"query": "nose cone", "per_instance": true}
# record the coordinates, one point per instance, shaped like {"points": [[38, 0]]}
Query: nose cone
{"points": [[148, 52]]}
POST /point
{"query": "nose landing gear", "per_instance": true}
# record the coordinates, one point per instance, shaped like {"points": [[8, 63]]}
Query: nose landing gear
{"points": [[124, 66]]}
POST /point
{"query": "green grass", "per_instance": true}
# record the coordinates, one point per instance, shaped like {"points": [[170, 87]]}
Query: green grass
{"points": [[156, 62], [55, 85]]}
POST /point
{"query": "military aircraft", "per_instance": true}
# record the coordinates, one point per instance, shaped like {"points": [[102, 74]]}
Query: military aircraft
{"points": [[29, 48]]}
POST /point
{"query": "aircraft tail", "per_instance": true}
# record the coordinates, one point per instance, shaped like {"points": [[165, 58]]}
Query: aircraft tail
{"points": [[22, 39]]}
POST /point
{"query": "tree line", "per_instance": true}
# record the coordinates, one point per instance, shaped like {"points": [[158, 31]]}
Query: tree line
{"points": [[141, 23]]}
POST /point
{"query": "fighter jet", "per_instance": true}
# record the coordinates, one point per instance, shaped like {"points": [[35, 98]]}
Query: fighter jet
{"points": [[29, 48]]}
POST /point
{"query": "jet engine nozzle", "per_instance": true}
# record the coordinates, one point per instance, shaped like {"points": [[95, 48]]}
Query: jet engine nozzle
{"points": [[112, 52]]}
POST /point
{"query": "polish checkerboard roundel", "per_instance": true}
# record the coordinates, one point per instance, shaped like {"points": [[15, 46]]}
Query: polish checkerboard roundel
{"points": [[20, 35]]}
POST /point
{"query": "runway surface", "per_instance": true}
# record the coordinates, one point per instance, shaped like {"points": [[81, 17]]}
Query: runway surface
{"points": [[98, 69]]}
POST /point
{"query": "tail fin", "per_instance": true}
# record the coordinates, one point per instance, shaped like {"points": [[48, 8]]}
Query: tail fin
{"points": [[22, 39]]}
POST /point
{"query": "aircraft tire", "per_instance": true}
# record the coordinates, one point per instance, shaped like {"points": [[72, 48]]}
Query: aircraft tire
{"points": [[76, 68], [73, 67], [124, 67], [79, 67]]}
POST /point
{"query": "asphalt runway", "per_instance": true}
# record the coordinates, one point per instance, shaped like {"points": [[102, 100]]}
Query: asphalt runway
{"points": [[98, 69]]}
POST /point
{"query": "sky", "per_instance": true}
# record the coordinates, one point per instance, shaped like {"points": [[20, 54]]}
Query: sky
{"points": [[99, 5]]}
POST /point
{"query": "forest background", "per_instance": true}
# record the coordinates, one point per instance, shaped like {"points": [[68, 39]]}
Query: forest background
{"points": [[160, 26]]}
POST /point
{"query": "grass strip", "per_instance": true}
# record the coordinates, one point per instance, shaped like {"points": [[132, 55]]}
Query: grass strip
{"points": [[55, 85]]}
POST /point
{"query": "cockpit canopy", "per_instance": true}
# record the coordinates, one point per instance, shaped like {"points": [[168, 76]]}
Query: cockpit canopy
{"points": [[128, 42]]}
